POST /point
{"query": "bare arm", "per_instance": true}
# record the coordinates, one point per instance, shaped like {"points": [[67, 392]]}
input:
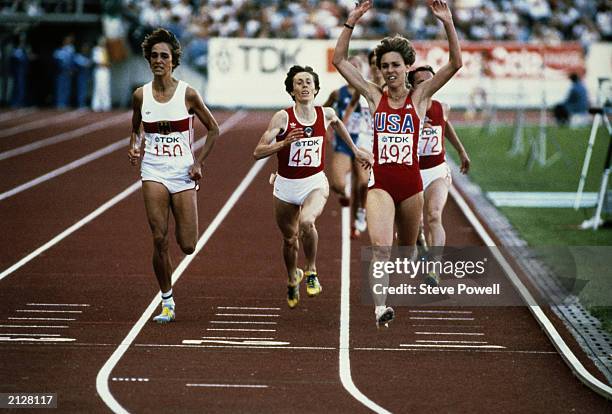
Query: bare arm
{"points": [[267, 144], [134, 149], [452, 137], [351, 106], [196, 105], [361, 154], [340, 59], [331, 99], [426, 89]]}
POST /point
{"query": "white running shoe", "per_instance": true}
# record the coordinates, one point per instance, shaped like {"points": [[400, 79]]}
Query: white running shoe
{"points": [[384, 315], [360, 220]]}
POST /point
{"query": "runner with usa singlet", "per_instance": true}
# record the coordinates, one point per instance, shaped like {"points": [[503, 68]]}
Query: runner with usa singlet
{"points": [[397, 117]]}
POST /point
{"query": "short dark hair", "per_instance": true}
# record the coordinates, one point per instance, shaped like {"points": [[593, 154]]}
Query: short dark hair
{"points": [[294, 70], [413, 72], [162, 36], [397, 44], [574, 77], [371, 54]]}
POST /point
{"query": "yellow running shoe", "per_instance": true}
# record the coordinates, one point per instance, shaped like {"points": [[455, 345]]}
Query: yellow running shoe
{"points": [[293, 289], [167, 315], [313, 287]]}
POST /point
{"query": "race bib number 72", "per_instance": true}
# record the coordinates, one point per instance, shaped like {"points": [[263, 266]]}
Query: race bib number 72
{"points": [[430, 142], [306, 152], [395, 148]]}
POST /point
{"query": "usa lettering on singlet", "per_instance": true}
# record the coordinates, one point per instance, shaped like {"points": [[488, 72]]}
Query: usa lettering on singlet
{"points": [[168, 129], [396, 132], [306, 156], [431, 142]]}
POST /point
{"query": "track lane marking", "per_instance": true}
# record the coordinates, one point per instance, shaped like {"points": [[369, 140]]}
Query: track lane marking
{"points": [[40, 123], [227, 385], [229, 123], [16, 113], [65, 136], [562, 348], [344, 353]]}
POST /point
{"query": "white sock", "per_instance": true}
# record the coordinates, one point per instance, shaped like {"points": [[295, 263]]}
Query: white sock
{"points": [[167, 299], [379, 309]]}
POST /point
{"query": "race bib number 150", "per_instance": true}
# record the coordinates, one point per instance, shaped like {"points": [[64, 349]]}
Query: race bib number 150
{"points": [[306, 152], [395, 148]]}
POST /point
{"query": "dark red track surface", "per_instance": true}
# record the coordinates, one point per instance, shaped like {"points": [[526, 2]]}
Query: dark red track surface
{"points": [[106, 265]]}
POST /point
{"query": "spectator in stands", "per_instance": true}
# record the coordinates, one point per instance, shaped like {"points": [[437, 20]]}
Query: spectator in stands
{"points": [[101, 99], [20, 64], [83, 65], [64, 63], [576, 106]]}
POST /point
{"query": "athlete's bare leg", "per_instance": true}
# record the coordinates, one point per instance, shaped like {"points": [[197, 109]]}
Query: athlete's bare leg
{"points": [[340, 167], [287, 218], [380, 212], [157, 205], [312, 208], [436, 195], [361, 174], [185, 209], [408, 220]]}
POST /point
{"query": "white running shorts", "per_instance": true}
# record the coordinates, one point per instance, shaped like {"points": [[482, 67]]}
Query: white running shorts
{"points": [[295, 191], [431, 174], [173, 178]]}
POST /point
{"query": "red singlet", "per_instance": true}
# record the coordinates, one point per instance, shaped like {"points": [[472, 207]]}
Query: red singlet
{"points": [[306, 156], [431, 143], [396, 138]]}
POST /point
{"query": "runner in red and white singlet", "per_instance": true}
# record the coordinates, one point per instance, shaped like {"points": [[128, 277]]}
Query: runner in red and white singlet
{"points": [[396, 195], [434, 169], [297, 136]]}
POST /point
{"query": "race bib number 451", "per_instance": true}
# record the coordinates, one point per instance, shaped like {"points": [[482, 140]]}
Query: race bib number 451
{"points": [[395, 148], [306, 152], [430, 142]]}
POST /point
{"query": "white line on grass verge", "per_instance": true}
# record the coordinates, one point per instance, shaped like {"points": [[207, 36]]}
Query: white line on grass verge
{"points": [[566, 353], [103, 374], [229, 123], [344, 352]]}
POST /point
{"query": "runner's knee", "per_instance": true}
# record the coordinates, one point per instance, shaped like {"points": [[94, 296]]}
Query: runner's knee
{"points": [[160, 241], [434, 215]]}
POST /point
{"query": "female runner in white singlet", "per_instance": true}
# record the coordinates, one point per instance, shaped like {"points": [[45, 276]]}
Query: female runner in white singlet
{"points": [[165, 108]]}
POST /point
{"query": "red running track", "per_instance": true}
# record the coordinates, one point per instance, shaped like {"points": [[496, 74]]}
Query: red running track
{"points": [[233, 289]]}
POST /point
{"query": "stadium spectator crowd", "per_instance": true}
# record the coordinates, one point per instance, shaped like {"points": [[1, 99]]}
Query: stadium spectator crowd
{"points": [[194, 21]]}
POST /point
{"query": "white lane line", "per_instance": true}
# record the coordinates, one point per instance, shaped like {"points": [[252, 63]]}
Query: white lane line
{"points": [[58, 304], [229, 342], [41, 319], [130, 379], [451, 333], [454, 346], [65, 136], [35, 326], [450, 342], [40, 123], [345, 307], [237, 337], [440, 311], [247, 315], [440, 319], [16, 113], [28, 334], [240, 330], [47, 311], [299, 348], [246, 322], [229, 123], [122, 143], [447, 326], [76, 226], [470, 350], [245, 308], [227, 385], [564, 350], [7, 339], [102, 377]]}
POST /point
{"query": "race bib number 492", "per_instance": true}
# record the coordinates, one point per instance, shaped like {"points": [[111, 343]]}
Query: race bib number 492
{"points": [[306, 152], [395, 148], [430, 142]]}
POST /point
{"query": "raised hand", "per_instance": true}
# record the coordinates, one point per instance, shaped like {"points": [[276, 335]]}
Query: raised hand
{"points": [[440, 9], [357, 12]]}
